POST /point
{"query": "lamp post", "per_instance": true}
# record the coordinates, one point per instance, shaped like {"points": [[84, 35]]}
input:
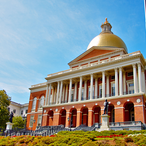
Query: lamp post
{"points": [[69, 122], [24, 117], [33, 124]]}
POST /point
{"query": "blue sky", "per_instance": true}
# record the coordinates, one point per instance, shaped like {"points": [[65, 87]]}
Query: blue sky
{"points": [[39, 37]]}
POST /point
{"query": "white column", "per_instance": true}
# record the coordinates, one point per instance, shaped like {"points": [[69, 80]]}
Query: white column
{"points": [[63, 96], [85, 89], [103, 84], [96, 81], [70, 88], [120, 81], [124, 82], [139, 77], [107, 85], [135, 78], [46, 100], [49, 94], [91, 87], [52, 95], [66, 93], [75, 93], [143, 81], [57, 93], [80, 89], [60, 97], [116, 82]]}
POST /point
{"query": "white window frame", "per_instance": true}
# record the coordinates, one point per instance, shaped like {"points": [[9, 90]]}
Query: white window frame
{"points": [[89, 92], [34, 104], [111, 88], [72, 95], [100, 85], [82, 93], [93, 94], [41, 102], [39, 118], [31, 121], [130, 82]]}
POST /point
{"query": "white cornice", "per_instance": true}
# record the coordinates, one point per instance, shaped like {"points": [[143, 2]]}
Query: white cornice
{"points": [[34, 113], [96, 100], [95, 69]]}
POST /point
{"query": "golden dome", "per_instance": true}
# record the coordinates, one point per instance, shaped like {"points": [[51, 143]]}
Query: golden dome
{"points": [[107, 39]]}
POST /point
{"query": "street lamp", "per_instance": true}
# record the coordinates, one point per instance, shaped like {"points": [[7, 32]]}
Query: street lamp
{"points": [[69, 122], [33, 124], [25, 122]]}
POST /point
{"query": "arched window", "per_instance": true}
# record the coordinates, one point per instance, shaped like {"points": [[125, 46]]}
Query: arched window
{"points": [[34, 103], [41, 102]]}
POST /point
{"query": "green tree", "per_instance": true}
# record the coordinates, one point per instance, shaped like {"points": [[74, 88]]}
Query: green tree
{"points": [[4, 103], [18, 122]]}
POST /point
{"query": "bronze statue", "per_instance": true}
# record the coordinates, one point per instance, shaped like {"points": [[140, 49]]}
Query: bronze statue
{"points": [[106, 107], [11, 117]]}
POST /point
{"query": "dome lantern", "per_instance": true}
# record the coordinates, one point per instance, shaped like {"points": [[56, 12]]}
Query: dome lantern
{"points": [[106, 27]]}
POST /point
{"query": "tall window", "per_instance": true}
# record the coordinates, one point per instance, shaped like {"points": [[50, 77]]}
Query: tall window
{"points": [[113, 89], [72, 95], [34, 103], [14, 111], [82, 94], [22, 112], [41, 102], [100, 91], [130, 85], [93, 92], [31, 121], [39, 120], [131, 88], [51, 98], [88, 92]]}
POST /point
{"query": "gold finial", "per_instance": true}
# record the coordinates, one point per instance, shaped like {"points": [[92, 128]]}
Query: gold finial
{"points": [[105, 21]]}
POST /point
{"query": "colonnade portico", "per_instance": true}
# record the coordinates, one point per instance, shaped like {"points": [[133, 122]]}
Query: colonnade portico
{"points": [[104, 71], [70, 90]]}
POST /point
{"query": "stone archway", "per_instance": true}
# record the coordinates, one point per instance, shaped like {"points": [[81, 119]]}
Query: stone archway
{"points": [[111, 113], [62, 117], [129, 112], [50, 118], [96, 114], [84, 111], [73, 117]]}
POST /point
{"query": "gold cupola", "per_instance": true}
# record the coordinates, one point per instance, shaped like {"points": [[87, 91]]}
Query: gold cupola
{"points": [[107, 39]]}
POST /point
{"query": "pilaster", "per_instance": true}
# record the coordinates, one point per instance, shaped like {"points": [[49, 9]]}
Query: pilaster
{"points": [[91, 87], [135, 78], [116, 82], [103, 84], [80, 89]]}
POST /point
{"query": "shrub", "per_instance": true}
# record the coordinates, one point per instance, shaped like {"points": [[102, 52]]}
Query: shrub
{"points": [[47, 140], [128, 139], [142, 142], [91, 143]]}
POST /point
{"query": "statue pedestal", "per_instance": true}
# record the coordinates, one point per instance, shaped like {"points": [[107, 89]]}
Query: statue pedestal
{"points": [[9, 126], [105, 123]]}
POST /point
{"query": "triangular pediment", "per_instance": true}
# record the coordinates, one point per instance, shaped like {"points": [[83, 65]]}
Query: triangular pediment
{"points": [[94, 52]]}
